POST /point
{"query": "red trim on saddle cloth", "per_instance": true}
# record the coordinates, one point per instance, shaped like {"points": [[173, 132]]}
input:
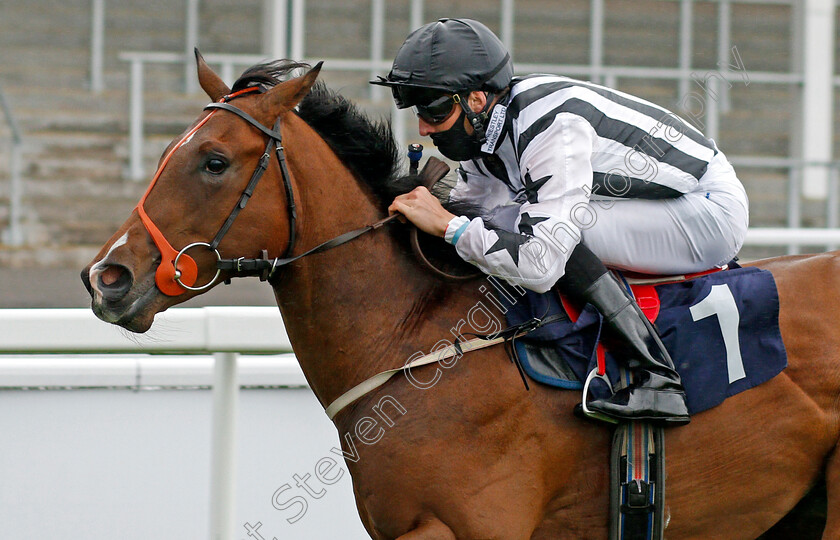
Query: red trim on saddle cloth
{"points": [[648, 300], [646, 297]]}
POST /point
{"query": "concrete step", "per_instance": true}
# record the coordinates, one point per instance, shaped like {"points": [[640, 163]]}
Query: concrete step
{"points": [[34, 67], [60, 143], [232, 27], [41, 258], [552, 35], [65, 23], [66, 175], [42, 108], [74, 220]]}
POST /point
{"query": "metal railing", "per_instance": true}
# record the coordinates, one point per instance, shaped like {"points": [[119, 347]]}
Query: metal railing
{"points": [[97, 45], [279, 36], [228, 62], [803, 176], [13, 235], [293, 22], [795, 169], [610, 74]]}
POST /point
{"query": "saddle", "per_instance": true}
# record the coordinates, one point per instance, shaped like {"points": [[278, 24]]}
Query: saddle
{"points": [[722, 330], [733, 313]]}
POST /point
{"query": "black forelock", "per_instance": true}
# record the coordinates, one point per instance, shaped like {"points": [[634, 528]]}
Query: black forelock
{"points": [[269, 74]]}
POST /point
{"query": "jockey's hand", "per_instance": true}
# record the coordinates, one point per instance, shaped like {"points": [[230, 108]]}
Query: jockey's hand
{"points": [[423, 209]]}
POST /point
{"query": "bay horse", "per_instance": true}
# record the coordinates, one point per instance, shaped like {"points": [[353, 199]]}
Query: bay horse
{"points": [[474, 455]]}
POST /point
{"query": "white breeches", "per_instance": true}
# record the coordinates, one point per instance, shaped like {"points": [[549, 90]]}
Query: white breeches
{"points": [[691, 233]]}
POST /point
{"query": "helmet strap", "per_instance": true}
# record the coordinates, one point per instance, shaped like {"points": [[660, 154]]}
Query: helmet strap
{"points": [[477, 119]]}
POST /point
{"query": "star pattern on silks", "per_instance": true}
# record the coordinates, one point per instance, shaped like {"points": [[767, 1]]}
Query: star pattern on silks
{"points": [[532, 186], [526, 223], [509, 242]]}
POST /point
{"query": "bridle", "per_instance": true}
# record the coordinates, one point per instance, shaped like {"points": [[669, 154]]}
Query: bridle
{"points": [[177, 271]]}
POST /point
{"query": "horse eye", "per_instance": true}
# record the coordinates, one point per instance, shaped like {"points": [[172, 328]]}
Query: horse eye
{"points": [[215, 166]]}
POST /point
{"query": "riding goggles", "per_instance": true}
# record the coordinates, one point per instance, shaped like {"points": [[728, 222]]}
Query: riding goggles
{"points": [[438, 110]]}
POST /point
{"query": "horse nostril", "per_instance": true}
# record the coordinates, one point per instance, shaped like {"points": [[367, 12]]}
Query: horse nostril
{"points": [[114, 281], [86, 280]]}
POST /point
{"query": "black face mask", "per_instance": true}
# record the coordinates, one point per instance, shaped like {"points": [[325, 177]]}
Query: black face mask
{"points": [[455, 143]]}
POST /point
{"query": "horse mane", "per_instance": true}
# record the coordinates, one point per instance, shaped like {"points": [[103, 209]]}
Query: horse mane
{"points": [[367, 147]]}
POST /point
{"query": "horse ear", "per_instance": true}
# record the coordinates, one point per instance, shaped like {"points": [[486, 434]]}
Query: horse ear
{"points": [[285, 96], [209, 81]]}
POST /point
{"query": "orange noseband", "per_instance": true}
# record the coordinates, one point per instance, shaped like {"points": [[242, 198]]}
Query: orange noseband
{"points": [[166, 274], [170, 280]]}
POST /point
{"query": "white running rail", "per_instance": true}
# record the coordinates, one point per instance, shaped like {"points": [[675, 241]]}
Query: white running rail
{"points": [[222, 331]]}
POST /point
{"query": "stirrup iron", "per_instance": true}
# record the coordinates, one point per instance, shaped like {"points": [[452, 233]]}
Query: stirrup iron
{"points": [[586, 410]]}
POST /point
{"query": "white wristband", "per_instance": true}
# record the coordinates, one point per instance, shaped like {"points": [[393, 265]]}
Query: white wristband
{"points": [[455, 228]]}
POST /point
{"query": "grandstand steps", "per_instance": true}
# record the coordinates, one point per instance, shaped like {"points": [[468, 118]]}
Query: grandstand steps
{"points": [[71, 182], [43, 66], [76, 142]]}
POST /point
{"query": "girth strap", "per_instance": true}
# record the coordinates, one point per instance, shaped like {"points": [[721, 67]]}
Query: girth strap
{"points": [[637, 482], [367, 386]]}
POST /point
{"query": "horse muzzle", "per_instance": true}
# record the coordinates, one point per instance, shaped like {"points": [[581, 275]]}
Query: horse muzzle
{"points": [[121, 287], [111, 282]]}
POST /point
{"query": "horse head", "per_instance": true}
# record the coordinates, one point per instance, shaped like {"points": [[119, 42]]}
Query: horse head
{"points": [[166, 252]]}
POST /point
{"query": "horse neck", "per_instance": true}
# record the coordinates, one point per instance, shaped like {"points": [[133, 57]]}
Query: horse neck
{"points": [[357, 309]]}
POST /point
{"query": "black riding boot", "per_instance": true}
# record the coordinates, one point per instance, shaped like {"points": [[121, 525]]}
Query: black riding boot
{"points": [[657, 393]]}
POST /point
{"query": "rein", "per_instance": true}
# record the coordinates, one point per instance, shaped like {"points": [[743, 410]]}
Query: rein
{"points": [[265, 267]]}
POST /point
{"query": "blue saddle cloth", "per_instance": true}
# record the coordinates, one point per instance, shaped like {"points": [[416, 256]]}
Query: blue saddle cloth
{"points": [[722, 331]]}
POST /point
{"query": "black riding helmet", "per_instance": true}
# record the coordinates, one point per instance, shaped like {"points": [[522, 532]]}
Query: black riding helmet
{"points": [[450, 56]]}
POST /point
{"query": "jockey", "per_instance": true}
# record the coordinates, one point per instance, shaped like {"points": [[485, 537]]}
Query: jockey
{"points": [[572, 176]]}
